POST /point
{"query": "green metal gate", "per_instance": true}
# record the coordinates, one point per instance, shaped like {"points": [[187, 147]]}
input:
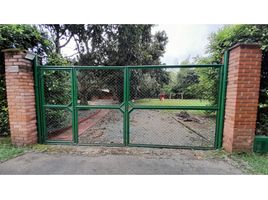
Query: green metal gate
{"points": [[126, 106]]}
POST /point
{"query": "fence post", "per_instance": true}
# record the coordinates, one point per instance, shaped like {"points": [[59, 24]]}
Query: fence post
{"points": [[20, 97], [242, 96]]}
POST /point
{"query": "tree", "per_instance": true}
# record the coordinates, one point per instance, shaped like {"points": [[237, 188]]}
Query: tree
{"points": [[17, 36], [186, 77], [57, 90], [118, 45], [229, 35], [232, 34], [58, 33]]}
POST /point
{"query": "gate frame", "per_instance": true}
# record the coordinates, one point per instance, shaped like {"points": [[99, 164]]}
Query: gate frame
{"points": [[40, 104]]}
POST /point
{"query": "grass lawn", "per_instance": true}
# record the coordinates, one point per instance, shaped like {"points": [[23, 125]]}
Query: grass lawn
{"points": [[7, 150], [176, 102], [172, 102], [257, 163]]}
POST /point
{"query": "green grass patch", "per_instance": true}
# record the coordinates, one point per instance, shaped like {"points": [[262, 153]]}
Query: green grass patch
{"points": [[257, 163], [7, 150], [172, 102], [177, 102]]}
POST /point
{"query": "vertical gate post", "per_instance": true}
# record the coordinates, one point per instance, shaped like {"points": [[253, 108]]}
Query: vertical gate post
{"points": [[242, 97], [20, 97], [126, 110]]}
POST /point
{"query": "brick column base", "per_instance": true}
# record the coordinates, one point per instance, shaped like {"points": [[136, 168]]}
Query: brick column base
{"points": [[242, 97], [20, 97]]}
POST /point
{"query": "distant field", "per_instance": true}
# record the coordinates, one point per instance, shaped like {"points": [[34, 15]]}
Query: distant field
{"points": [[176, 102], [172, 102]]}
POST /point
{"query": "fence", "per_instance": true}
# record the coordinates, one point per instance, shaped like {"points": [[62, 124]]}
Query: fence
{"points": [[128, 106]]}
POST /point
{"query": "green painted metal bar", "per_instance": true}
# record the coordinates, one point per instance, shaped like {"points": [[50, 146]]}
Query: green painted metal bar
{"points": [[43, 111], [46, 67], [126, 103], [223, 97], [176, 107], [173, 66], [74, 102], [131, 104], [122, 110], [170, 146], [122, 104], [55, 106], [130, 110], [216, 141], [126, 114], [128, 74], [131, 67], [75, 106], [102, 145], [55, 68], [58, 142], [88, 107], [37, 100]]}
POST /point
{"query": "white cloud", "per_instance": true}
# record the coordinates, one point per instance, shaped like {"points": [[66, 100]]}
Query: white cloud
{"points": [[185, 41]]}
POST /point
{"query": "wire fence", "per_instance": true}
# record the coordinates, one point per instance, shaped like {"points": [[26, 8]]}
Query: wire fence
{"points": [[139, 106]]}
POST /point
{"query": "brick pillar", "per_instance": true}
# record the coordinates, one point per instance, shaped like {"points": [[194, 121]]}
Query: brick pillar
{"points": [[242, 97], [20, 97]]}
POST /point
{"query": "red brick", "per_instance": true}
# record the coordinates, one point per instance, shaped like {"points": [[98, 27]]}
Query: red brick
{"points": [[21, 100], [242, 98]]}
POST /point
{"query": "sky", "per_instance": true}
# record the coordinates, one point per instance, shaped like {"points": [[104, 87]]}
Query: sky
{"points": [[184, 41]]}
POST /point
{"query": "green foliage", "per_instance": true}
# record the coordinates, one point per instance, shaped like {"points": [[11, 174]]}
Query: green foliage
{"points": [[198, 83], [17, 36], [232, 34], [24, 37], [119, 45], [186, 78], [208, 82], [7, 150], [256, 163], [262, 123], [4, 126], [57, 87], [57, 59]]}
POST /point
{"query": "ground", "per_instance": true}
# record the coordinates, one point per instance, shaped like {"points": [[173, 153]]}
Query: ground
{"points": [[57, 159], [161, 127], [151, 127], [146, 127], [100, 160]]}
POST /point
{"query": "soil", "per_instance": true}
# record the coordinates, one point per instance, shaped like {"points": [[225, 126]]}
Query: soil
{"points": [[151, 127]]}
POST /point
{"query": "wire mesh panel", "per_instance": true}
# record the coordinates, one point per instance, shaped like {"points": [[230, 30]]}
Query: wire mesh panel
{"points": [[100, 126], [173, 127], [174, 86], [58, 124], [150, 105], [57, 87], [100, 86]]}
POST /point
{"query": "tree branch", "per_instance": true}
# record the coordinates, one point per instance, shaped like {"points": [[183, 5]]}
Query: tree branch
{"points": [[61, 46]]}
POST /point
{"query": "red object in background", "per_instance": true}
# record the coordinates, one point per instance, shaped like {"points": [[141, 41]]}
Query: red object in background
{"points": [[161, 97]]}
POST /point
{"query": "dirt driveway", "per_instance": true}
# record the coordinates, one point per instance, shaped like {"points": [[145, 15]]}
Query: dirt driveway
{"points": [[101, 160], [151, 127]]}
